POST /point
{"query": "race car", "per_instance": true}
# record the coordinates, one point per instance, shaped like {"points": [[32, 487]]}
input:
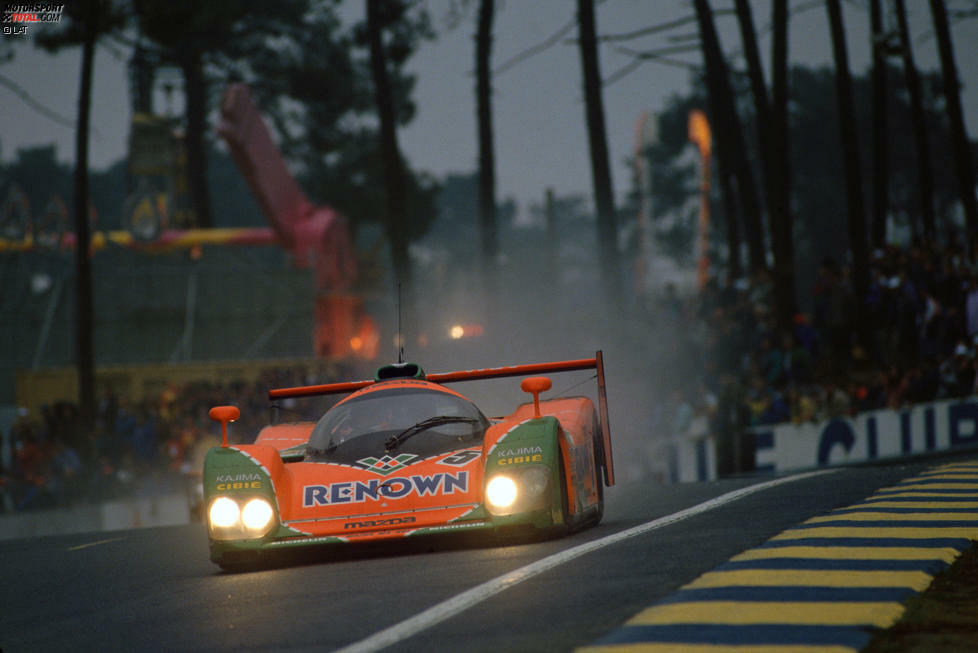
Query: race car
{"points": [[402, 456]]}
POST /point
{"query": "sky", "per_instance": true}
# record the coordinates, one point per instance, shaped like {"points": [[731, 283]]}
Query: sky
{"points": [[540, 135]]}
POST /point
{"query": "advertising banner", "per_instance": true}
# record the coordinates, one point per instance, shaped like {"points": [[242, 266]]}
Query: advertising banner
{"points": [[877, 435]]}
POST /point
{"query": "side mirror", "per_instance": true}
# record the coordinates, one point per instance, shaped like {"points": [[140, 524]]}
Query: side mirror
{"points": [[224, 414], [535, 385]]}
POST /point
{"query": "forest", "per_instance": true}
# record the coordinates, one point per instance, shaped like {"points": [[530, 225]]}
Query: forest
{"points": [[809, 164]]}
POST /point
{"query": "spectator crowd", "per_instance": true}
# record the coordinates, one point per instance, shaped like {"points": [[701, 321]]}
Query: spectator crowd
{"points": [[916, 342], [154, 446]]}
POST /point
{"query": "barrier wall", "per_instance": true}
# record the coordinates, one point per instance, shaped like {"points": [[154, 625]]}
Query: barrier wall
{"points": [[123, 514], [687, 457], [877, 435]]}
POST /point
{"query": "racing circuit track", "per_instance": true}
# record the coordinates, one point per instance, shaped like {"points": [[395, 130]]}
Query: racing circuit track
{"points": [[155, 589]]}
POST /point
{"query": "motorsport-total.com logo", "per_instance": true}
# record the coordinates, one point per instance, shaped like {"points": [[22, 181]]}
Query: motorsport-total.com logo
{"points": [[18, 17]]}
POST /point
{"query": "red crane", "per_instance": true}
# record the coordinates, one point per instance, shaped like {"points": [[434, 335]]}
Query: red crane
{"points": [[317, 236]]}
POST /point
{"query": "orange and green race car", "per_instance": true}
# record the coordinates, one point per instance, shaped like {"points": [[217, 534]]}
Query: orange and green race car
{"points": [[404, 455]]}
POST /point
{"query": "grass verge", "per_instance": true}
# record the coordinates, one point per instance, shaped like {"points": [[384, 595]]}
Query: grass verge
{"points": [[943, 618]]}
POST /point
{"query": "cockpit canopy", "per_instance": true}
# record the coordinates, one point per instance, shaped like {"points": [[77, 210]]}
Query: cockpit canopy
{"points": [[393, 421]]}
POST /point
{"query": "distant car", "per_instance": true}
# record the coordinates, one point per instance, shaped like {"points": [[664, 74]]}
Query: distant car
{"points": [[405, 456]]}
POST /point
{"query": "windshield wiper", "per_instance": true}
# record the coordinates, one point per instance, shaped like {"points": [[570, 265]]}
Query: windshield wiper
{"points": [[395, 440]]}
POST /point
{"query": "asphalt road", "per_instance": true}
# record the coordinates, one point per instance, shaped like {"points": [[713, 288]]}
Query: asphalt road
{"points": [[155, 589]]}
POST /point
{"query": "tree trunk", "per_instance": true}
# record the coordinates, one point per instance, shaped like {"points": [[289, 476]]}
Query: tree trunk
{"points": [[963, 164], [600, 169], [487, 160], [84, 312], [772, 145], [397, 232], [880, 127], [782, 232], [735, 268], [850, 164], [728, 193], [758, 89], [732, 206], [196, 141], [925, 177], [730, 136]]}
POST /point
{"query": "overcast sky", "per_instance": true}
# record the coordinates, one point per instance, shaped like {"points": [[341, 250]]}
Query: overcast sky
{"points": [[538, 109]]}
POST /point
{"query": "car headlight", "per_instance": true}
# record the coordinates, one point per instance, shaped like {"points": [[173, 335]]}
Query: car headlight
{"points": [[224, 513], [501, 492], [534, 482], [520, 489], [256, 514], [230, 521]]}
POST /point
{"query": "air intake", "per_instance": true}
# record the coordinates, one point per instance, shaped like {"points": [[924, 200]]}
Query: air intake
{"points": [[399, 371]]}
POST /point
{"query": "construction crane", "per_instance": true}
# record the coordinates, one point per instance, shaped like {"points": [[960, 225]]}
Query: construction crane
{"points": [[318, 237]]}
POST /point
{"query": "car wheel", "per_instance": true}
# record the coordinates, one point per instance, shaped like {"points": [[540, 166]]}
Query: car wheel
{"points": [[236, 564], [599, 484], [562, 525]]}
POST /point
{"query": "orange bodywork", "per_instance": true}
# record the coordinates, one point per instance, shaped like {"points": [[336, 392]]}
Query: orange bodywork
{"points": [[577, 421], [454, 489], [400, 492], [284, 436]]}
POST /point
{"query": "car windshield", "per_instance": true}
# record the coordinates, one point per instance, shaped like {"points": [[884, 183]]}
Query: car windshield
{"points": [[415, 421]]}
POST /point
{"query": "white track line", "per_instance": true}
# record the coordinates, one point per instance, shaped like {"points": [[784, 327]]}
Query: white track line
{"points": [[479, 593], [85, 546]]}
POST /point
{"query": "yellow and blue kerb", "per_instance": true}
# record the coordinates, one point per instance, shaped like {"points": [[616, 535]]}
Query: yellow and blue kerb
{"points": [[826, 585]]}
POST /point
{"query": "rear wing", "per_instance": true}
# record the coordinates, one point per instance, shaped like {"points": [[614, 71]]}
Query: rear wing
{"points": [[596, 363]]}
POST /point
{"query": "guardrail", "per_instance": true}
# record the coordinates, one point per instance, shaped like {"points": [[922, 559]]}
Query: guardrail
{"points": [[884, 435], [686, 457], [119, 514]]}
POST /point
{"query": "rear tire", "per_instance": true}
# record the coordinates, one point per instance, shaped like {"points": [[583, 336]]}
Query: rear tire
{"points": [[595, 518], [562, 526], [599, 464]]}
